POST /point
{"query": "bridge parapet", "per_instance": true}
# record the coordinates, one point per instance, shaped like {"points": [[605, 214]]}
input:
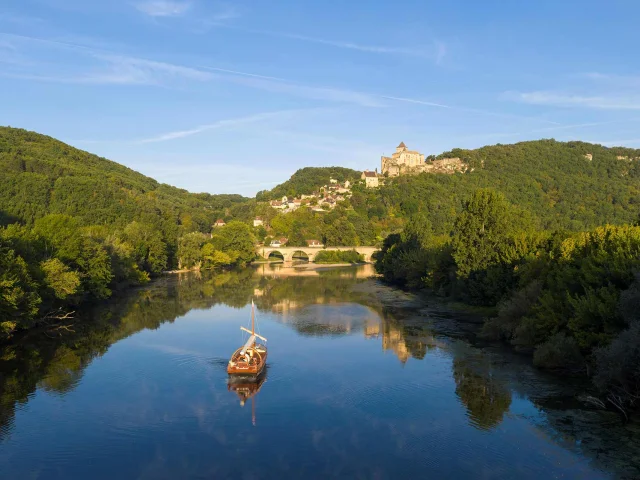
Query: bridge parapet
{"points": [[311, 252]]}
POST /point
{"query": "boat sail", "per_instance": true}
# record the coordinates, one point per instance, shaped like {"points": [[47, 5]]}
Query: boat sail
{"points": [[251, 358]]}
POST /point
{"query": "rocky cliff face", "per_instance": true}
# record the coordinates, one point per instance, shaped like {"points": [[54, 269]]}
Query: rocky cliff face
{"points": [[442, 165]]}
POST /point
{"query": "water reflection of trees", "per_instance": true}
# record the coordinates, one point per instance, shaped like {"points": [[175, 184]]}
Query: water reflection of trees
{"points": [[485, 397], [56, 362]]}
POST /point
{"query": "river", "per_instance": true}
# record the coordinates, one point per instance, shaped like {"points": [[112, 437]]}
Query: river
{"points": [[362, 381]]}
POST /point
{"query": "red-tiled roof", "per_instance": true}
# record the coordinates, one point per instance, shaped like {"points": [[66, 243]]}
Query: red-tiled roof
{"points": [[369, 174]]}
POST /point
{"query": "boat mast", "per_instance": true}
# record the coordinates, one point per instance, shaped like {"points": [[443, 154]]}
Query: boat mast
{"points": [[253, 320], [253, 411]]}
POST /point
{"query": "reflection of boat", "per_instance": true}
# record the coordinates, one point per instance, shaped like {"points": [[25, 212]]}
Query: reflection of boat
{"points": [[251, 358], [247, 389]]}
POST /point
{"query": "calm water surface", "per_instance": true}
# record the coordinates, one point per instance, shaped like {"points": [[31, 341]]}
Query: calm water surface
{"points": [[355, 388]]}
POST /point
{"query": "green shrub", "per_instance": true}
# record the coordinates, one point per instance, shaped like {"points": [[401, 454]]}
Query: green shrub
{"points": [[618, 369], [560, 353], [333, 256]]}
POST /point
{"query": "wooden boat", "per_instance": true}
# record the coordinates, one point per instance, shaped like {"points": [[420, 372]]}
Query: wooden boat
{"points": [[251, 358]]}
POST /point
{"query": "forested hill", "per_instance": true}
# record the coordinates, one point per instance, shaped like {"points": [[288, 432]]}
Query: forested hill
{"points": [[573, 186], [307, 180], [40, 175], [74, 227]]}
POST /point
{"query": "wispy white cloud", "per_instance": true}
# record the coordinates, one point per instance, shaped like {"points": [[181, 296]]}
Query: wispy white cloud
{"points": [[311, 92], [7, 45], [436, 52], [230, 123], [118, 69], [243, 74], [360, 47], [557, 128], [441, 52], [226, 12], [466, 109], [148, 71], [630, 81], [163, 8], [605, 102]]}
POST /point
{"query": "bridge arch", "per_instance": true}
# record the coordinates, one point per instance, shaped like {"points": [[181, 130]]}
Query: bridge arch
{"points": [[276, 254], [301, 255], [287, 253]]}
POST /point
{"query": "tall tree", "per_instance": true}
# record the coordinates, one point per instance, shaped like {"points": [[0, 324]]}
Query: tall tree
{"points": [[481, 232]]}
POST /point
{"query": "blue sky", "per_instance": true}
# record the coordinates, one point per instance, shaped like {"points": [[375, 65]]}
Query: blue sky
{"points": [[233, 97]]}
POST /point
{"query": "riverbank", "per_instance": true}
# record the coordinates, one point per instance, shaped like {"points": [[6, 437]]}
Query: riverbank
{"points": [[420, 308], [603, 434]]}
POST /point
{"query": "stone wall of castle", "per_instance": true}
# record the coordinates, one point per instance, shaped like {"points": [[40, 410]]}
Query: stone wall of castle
{"points": [[410, 162], [443, 165]]}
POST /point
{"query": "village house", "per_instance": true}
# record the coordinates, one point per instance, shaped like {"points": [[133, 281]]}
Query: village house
{"points": [[258, 222], [314, 244], [219, 223], [370, 179], [277, 204], [278, 242], [329, 202]]}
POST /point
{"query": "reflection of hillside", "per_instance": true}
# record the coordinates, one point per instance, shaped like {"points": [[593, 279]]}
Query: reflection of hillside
{"points": [[57, 362]]}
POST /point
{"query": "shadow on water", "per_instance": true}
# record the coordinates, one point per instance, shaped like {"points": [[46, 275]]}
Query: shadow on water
{"points": [[322, 303]]}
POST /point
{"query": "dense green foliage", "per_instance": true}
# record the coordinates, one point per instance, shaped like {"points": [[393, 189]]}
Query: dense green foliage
{"points": [[338, 227], [41, 175], [560, 295], [333, 256], [77, 226], [308, 180], [520, 232], [551, 180], [552, 184]]}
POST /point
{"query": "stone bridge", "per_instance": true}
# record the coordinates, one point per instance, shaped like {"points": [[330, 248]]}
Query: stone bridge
{"points": [[311, 252]]}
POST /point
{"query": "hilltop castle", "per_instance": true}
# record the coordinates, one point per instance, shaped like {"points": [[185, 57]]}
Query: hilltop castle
{"points": [[408, 162], [400, 160]]}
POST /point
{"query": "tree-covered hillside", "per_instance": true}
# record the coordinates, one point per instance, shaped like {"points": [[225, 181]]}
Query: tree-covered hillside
{"points": [[573, 186], [75, 227], [307, 180], [40, 175]]}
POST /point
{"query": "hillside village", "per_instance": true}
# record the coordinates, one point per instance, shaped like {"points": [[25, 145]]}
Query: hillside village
{"points": [[402, 162]]}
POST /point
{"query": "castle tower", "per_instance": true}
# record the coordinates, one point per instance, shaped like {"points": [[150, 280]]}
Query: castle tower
{"points": [[401, 147]]}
